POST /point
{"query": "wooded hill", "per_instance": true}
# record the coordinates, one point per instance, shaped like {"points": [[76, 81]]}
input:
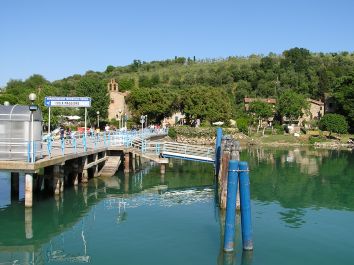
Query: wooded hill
{"points": [[209, 89]]}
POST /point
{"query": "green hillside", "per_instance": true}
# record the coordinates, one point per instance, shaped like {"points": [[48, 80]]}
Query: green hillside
{"points": [[208, 89]]}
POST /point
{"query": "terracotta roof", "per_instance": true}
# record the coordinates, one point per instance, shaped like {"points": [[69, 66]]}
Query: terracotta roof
{"points": [[315, 101], [267, 100]]}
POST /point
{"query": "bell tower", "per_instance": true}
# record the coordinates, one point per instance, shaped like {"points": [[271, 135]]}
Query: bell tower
{"points": [[112, 86], [117, 106]]}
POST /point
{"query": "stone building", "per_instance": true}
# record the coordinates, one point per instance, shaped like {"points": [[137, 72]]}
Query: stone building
{"points": [[315, 112], [118, 108], [270, 101]]}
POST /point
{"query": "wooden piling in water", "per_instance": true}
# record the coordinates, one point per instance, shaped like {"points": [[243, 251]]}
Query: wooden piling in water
{"points": [[84, 178], [15, 185], [223, 176], [162, 168], [62, 178], [126, 182], [28, 189], [56, 177], [126, 162], [95, 174], [28, 223], [133, 161], [76, 172]]}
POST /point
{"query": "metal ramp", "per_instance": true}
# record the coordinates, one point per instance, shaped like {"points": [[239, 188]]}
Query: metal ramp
{"points": [[178, 150], [188, 152]]}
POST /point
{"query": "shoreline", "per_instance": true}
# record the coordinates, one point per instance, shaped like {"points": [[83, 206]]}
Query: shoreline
{"points": [[257, 142]]}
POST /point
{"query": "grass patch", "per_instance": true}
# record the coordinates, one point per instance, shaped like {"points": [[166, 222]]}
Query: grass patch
{"points": [[284, 138]]}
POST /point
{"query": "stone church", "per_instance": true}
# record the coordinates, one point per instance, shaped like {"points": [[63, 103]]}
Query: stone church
{"points": [[118, 109]]}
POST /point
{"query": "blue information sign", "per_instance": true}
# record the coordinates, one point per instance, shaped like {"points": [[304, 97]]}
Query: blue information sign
{"points": [[68, 102]]}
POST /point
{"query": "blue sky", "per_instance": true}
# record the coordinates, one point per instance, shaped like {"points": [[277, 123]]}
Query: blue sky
{"points": [[59, 38]]}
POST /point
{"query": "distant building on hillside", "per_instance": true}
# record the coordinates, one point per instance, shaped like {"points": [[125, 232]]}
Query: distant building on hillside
{"points": [[177, 118], [247, 101], [118, 108], [315, 112]]}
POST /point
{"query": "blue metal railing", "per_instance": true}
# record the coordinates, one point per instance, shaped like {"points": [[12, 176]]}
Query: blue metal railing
{"points": [[78, 142]]}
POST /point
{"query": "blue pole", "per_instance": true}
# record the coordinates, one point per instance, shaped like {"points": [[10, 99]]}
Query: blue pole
{"points": [[232, 180], [218, 150], [62, 142], [245, 201]]}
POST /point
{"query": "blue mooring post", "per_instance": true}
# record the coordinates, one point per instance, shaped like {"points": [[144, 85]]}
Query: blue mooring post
{"points": [[218, 150], [232, 181], [245, 201]]}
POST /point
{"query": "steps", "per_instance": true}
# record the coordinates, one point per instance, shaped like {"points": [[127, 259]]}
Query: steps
{"points": [[110, 167]]}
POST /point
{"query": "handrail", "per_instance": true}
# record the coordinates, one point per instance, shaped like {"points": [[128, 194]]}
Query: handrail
{"points": [[78, 143]]}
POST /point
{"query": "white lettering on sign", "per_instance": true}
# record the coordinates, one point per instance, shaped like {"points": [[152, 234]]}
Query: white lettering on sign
{"points": [[74, 102]]}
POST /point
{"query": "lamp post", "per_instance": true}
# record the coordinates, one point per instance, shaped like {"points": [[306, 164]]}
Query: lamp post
{"points": [[120, 118], [32, 97], [125, 120], [142, 120], [98, 119], [6, 103]]}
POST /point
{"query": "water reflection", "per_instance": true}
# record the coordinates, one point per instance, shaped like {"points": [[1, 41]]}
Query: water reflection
{"points": [[286, 186], [301, 178], [294, 218], [39, 235]]}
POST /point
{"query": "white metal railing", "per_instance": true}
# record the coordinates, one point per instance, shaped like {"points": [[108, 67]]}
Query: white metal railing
{"points": [[173, 149]]}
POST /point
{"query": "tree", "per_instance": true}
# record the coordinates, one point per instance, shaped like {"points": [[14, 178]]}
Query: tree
{"points": [[334, 123], [109, 69], [298, 58], [207, 103], [292, 105], [345, 97], [261, 110], [157, 103], [126, 84], [94, 87]]}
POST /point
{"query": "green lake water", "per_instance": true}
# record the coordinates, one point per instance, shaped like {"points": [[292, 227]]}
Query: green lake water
{"points": [[302, 213]]}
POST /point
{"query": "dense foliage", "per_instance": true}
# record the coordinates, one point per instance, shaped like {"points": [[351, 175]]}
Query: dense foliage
{"points": [[292, 105], [210, 89], [334, 123]]}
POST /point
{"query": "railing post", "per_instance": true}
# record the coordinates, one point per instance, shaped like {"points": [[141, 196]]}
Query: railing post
{"points": [[84, 143], [49, 146], [62, 143], [229, 235], [73, 142]]}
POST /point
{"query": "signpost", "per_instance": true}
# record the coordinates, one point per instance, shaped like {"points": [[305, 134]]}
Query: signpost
{"points": [[67, 102]]}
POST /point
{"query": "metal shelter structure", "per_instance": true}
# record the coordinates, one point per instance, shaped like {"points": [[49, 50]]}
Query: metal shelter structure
{"points": [[16, 126]]}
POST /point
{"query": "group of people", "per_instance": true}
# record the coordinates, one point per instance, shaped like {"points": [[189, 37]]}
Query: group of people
{"points": [[65, 134]]}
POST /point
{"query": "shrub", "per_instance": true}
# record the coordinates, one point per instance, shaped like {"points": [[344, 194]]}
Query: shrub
{"points": [[172, 133], [278, 128], [314, 139], [242, 125], [334, 123]]}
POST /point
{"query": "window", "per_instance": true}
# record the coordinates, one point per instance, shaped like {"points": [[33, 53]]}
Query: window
{"points": [[112, 100]]}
